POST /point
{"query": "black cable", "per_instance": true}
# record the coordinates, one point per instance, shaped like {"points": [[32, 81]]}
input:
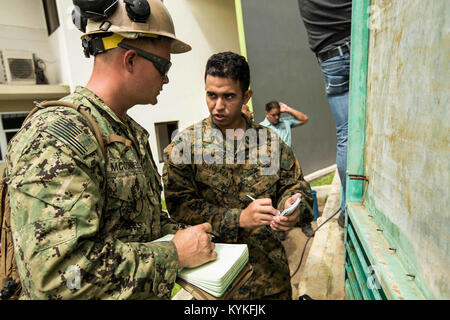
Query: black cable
{"points": [[306, 243]]}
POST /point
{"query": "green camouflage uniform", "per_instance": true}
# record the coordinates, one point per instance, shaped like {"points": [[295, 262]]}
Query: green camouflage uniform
{"points": [[217, 193], [82, 224]]}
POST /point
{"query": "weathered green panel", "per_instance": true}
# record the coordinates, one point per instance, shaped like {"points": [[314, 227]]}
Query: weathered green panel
{"points": [[352, 283], [407, 149], [365, 269], [384, 263], [399, 139], [357, 99], [358, 273], [348, 291]]}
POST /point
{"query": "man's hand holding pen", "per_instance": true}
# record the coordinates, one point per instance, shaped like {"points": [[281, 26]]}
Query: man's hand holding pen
{"points": [[194, 245], [260, 212]]}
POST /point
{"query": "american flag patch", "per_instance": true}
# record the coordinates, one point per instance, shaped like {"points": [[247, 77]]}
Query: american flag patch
{"points": [[67, 131]]}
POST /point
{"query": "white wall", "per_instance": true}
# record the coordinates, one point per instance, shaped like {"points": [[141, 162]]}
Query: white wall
{"points": [[74, 67], [23, 27]]}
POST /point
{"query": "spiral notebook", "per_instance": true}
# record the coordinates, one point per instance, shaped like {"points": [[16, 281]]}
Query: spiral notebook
{"points": [[216, 276]]}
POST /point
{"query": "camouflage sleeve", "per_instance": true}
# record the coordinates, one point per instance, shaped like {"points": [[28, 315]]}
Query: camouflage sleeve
{"points": [[169, 225], [61, 252], [291, 182], [186, 205]]}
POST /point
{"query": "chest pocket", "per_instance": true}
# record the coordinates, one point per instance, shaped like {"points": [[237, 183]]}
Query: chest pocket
{"points": [[213, 177], [126, 192], [213, 184], [127, 186], [257, 183]]}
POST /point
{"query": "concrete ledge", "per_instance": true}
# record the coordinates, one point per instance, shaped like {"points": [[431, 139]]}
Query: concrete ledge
{"points": [[320, 173], [322, 276]]}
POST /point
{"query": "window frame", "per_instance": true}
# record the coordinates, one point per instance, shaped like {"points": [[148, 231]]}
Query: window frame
{"points": [[158, 138], [51, 15], [3, 139]]}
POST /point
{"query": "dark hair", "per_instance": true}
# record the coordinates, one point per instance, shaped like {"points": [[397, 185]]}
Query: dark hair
{"points": [[229, 65], [272, 105]]}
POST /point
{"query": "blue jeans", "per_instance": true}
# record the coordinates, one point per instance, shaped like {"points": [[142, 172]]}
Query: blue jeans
{"points": [[336, 72]]}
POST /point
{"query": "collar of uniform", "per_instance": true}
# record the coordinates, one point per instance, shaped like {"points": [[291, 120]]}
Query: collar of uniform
{"points": [[248, 121], [208, 123], [95, 100], [133, 129], [140, 132]]}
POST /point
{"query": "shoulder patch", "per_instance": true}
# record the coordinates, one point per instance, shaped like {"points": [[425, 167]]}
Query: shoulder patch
{"points": [[67, 131]]}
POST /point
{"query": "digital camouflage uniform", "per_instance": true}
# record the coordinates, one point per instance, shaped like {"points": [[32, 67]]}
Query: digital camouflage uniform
{"points": [[217, 193], [83, 225]]}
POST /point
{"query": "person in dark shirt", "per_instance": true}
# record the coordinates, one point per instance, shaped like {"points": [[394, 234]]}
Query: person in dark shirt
{"points": [[328, 25]]}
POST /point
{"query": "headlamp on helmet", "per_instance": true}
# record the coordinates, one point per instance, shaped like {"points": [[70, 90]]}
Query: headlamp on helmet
{"points": [[100, 19], [137, 10], [95, 9]]}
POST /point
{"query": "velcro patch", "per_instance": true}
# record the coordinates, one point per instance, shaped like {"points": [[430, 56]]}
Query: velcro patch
{"points": [[67, 131]]}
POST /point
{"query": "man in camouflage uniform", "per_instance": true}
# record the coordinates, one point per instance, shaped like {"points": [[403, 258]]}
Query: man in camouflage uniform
{"points": [[82, 223], [200, 186]]}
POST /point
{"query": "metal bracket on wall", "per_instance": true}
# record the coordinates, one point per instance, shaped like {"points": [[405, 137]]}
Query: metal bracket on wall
{"points": [[358, 177]]}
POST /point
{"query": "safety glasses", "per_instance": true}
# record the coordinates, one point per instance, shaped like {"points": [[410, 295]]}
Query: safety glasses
{"points": [[161, 64]]}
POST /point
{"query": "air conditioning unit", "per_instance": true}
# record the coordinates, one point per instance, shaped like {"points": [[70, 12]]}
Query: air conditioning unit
{"points": [[18, 67]]}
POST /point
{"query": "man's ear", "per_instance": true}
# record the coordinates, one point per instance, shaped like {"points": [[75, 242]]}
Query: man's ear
{"points": [[247, 95], [128, 60]]}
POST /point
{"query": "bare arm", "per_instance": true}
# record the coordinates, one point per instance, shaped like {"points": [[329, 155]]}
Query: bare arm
{"points": [[300, 116]]}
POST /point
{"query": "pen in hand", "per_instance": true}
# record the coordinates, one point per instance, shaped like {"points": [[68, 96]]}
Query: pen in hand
{"points": [[211, 234], [251, 198]]}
